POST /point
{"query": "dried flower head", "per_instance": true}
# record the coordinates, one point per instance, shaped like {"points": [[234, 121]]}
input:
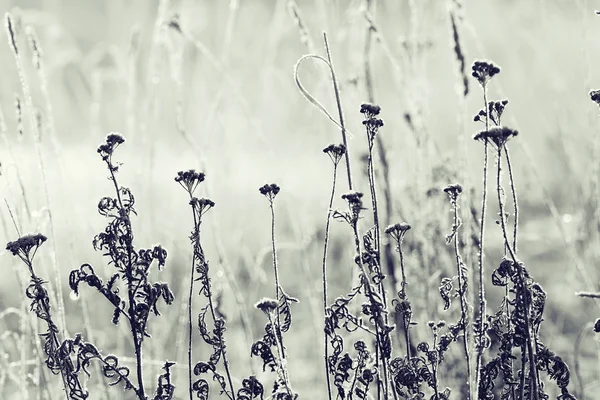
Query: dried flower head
{"points": [[397, 231], [201, 206], [355, 205], [113, 140], [494, 112], [369, 110], [370, 122], [269, 191], [267, 305], [483, 71], [497, 135], [24, 245], [189, 180], [454, 190], [335, 152]]}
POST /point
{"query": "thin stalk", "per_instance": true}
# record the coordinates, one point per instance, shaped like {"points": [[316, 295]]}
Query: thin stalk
{"points": [[464, 310], [190, 326], [434, 367], [514, 198], [381, 150], [276, 271], [324, 264], [533, 376], [339, 108], [482, 302], [213, 314], [369, 294], [278, 291], [403, 289], [282, 364], [381, 285]]}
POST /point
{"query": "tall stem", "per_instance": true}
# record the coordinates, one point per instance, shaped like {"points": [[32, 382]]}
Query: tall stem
{"points": [[464, 310], [138, 337], [190, 325], [482, 302], [514, 198], [325, 302], [533, 377]]}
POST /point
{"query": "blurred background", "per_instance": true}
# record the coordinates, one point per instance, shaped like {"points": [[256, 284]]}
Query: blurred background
{"points": [[210, 85]]}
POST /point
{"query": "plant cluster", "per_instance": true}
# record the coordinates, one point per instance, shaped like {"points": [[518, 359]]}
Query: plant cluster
{"points": [[371, 349]]}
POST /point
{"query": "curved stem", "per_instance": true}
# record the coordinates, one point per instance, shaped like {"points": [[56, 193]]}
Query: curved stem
{"points": [[339, 107]]}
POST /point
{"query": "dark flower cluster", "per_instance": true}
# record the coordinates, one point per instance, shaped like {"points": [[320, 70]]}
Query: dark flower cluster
{"points": [[355, 205], [23, 246], [113, 140], [398, 230], [497, 136], [269, 191], [453, 191], [189, 180], [335, 152], [201, 206], [267, 305], [371, 123], [483, 71], [494, 113]]}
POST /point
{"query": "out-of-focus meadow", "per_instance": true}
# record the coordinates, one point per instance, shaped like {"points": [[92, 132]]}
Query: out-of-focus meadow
{"points": [[210, 85]]}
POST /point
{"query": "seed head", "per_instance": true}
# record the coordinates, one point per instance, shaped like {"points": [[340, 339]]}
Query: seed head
{"points": [[113, 140], [335, 152], [454, 190], [595, 96], [370, 122], [269, 191], [497, 135], [189, 180], [353, 197], [397, 231], [355, 205], [24, 245], [369, 110], [483, 71], [201, 206], [267, 305]]}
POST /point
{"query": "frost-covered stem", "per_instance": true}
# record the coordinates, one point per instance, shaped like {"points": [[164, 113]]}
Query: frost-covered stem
{"points": [[482, 302], [463, 299], [533, 376], [325, 302]]}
